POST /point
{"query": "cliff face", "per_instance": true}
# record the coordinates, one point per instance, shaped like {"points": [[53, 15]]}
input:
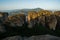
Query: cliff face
{"points": [[31, 18], [35, 23], [17, 20], [3, 19], [43, 17], [57, 13], [3, 16], [51, 21]]}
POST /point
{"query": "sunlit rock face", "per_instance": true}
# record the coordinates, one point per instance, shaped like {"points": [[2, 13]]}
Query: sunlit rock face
{"points": [[47, 17], [57, 13], [32, 15], [38, 17], [17, 20], [42, 14]]}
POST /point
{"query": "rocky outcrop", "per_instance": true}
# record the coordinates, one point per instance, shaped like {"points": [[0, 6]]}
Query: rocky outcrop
{"points": [[57, 13], [40, 37], [31, 18], [17, 20], [3, 19], [37, 23], [51, 21]]}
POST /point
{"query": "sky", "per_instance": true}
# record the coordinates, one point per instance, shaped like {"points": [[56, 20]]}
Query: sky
{"points": [[21, 4]]}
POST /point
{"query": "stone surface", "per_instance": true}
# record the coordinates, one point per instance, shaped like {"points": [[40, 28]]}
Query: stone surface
{"points": [[39, 37]]}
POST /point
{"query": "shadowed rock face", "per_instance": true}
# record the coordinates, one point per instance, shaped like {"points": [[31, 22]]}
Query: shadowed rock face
{"points": [[2, 29], [42, 20], [51, 21], [58, 22], [3, 19], [32, 23], [57, 13]]}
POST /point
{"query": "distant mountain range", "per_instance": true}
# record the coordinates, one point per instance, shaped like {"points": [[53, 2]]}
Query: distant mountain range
{"points": [[17, 11], [20, 10]]}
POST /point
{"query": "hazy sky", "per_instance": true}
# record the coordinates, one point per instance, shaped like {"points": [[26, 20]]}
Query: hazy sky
{"points": [[21, 4]]}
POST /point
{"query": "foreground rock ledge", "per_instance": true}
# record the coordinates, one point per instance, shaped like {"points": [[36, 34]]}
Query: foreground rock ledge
{"points": [[40, 37]]}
